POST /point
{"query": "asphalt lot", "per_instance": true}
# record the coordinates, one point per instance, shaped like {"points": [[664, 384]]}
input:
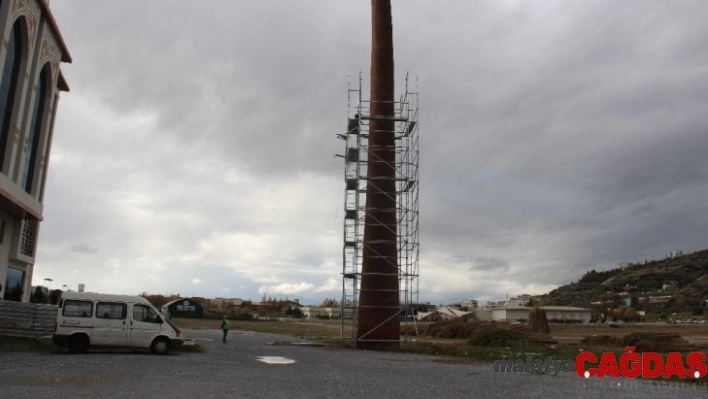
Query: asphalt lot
{"points": [[250, 366]]}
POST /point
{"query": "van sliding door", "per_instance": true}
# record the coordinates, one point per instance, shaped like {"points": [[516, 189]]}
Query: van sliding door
{"points": [[111, 326]]}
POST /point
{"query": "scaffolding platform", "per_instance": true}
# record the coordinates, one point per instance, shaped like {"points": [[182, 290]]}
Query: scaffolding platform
{"points": [[356, 162]]}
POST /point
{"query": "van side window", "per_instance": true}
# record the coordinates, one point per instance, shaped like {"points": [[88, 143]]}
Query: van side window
{"points": [[144, 314], [111, 310], [73, 308]]}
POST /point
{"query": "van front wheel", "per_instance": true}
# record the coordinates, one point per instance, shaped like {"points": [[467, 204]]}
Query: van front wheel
{"points": [[160, 346], [78, 344]]}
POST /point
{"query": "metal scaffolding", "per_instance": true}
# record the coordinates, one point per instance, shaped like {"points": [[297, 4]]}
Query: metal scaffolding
{"points": [[355, 178]]}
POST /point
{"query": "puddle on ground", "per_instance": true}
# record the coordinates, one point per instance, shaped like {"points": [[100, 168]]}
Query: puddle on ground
{"points": [[275, 360]]}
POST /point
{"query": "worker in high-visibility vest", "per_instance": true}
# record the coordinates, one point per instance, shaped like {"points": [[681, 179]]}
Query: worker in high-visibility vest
{"points": [[225, 327]]}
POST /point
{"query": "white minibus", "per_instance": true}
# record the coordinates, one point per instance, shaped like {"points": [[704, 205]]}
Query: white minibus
{"points": [[87, 319]]}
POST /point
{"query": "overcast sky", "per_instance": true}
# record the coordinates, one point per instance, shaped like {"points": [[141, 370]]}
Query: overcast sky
{"points": [[195, 151]]}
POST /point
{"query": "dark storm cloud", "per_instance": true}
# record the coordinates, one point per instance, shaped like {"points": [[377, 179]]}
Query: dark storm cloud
{"points": [[555, 124], [255, 80], [490, 264], [556, 136]]}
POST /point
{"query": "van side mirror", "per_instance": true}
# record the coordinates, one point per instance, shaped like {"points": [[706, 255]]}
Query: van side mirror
{"points": [[159, 320]]}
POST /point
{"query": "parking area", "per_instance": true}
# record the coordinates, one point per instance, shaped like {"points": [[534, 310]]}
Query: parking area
{"points": [[256, 365]]}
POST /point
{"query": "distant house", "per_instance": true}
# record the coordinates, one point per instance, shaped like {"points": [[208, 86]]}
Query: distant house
{"points": [[623, 265], [415, 308], [465, 305], [567, 314], [292, 305], [470, 304], [284, 306], [317, 312], [183, 307], [670, 285], [493, 304], [674, 254], [521, 300], [222, 306]]}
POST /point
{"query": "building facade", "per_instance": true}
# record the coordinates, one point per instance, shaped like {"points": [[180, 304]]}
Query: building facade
{"points": [[30, 82], [520, 314]]}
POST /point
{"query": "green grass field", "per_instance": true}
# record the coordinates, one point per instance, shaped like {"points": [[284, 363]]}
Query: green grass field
{"points": [[22, 344]]}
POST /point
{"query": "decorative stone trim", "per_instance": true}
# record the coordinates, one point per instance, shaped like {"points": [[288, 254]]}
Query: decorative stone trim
{"points": [[30, 9], [28, 237], [50, 51]]}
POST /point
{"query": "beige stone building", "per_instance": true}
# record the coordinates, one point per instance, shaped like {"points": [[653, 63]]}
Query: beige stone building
{"points": [[30, 82], [520, 314]]}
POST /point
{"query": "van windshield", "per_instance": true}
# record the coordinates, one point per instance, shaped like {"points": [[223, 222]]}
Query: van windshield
{"points": [[145, 314]]}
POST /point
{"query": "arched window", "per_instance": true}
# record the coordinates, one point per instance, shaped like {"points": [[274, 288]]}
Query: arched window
{"points": [[8, 85], [35, 131]]}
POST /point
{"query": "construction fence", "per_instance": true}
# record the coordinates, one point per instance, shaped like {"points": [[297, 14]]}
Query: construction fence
{"points": [[27, 319]]}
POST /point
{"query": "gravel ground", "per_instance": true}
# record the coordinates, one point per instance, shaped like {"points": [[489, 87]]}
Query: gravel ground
{"points": [[294, 371]]}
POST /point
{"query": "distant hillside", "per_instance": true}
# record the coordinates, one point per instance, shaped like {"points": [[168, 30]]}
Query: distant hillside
{"points": [[676, 285]]}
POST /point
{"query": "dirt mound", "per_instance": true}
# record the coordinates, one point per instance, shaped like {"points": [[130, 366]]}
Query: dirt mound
{"points": [[602, 340], [455, 328], [496, 335], [413, 330], [658, 342], [531, 336], [487, 333]]}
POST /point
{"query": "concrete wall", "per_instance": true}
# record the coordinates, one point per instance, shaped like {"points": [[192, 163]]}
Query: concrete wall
{"points": [[510, 315], [484, 314]]}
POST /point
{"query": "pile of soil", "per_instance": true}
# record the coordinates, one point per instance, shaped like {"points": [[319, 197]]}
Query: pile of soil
{"points": [[602, 340], [531, 336], [658, 342], [487, 333], [455, 328]]}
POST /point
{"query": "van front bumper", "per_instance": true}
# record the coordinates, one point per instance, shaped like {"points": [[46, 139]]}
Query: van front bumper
{"points": [[177, 342]]}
